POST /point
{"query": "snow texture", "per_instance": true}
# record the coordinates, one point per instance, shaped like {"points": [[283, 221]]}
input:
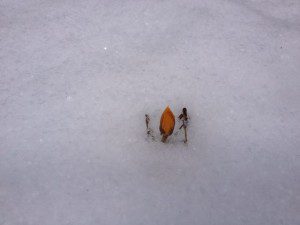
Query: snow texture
{"points": [[77, 77]]}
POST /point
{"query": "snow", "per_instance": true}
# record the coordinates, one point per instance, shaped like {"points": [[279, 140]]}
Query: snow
{"points": [[77, 77]]}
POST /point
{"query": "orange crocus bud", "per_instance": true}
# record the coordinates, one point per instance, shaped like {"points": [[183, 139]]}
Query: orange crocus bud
{"points": [[167, 123]]}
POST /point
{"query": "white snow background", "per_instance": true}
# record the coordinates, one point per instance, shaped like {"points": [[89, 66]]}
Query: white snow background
{"points": [[77, 77]]}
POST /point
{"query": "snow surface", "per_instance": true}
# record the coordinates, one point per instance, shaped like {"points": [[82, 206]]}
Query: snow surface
{"points": [[77, 77]]}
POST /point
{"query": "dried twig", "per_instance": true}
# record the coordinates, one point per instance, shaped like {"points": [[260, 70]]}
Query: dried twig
{"points": [[147, 119], [149, 130], [184, 118]]}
